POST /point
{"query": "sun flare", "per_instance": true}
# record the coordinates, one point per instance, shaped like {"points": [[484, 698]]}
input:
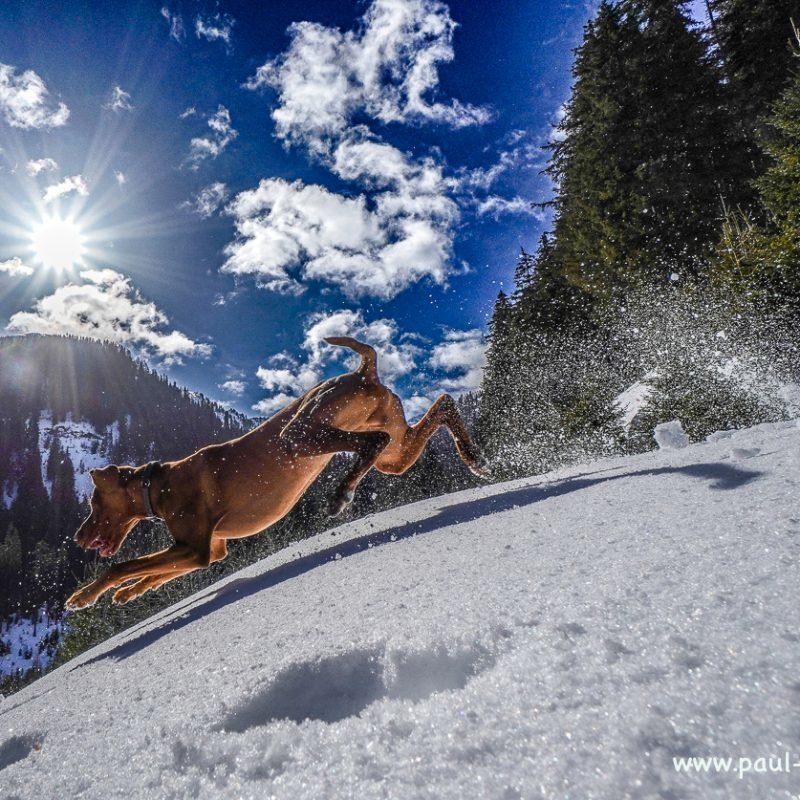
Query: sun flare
{"points": [[57, 243]]}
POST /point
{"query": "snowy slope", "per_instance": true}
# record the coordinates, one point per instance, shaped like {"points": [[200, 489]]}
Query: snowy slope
{"points": [[566, 636], [86, 447]]}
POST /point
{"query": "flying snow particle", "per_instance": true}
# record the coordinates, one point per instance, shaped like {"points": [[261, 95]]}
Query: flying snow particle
{"points": [[670, 436]]}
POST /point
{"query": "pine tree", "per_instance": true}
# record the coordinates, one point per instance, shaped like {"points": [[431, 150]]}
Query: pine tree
{"points": [[524, 274], [766, 258], [645, 155], [754, 38], [496, 389], [545, 300]]}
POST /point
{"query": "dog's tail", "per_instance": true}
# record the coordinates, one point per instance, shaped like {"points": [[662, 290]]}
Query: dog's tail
{"points": [[369, 358]]}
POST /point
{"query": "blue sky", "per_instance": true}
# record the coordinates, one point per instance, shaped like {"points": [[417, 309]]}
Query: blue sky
{"points": [[219, 185]]}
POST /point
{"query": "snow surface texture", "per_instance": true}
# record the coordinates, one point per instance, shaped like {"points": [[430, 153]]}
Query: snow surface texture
{"points": [[565, 636]]}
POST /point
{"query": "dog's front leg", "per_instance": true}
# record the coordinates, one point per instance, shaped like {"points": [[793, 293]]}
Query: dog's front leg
{"points": [[179, 557]]}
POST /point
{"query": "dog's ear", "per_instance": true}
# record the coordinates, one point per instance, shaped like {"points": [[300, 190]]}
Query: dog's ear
{"points": [[124, 475]]}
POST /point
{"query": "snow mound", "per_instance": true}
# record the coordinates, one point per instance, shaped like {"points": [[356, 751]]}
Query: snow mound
{"points": [[586, 633]]}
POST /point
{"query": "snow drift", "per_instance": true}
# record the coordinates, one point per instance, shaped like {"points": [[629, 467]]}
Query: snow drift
{"points": [[585, 633]]}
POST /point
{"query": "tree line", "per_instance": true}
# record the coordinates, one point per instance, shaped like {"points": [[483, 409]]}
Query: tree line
{"points": [[674, 254]]}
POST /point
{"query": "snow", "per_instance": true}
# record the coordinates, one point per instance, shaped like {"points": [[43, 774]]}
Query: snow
{"points": [[9, 495], [564, 636], [82, 443], [25, 643], [670, 436], [634, 399], [45, 426]]}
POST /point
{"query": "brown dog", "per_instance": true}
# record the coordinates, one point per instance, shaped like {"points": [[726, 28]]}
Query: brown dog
{"points": [[232, 490]]}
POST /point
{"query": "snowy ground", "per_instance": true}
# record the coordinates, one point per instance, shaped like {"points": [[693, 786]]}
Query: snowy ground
{"points": [[567, 636]]}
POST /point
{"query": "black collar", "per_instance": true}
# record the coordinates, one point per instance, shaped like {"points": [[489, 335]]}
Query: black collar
{"points": [[147, 477]]}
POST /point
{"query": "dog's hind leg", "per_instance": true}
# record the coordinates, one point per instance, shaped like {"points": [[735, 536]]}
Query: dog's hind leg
{"points": [[314, 440], [403, 452]]}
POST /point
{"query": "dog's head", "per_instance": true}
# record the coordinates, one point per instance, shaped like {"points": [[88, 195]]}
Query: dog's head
{"points": [[113, 511]]}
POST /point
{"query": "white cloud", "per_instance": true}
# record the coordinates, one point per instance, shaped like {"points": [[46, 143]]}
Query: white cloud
{"points": [[191, 111], [107, 307], [557, 134], [286, 378], [269, 405], [119, 100], [74, 183], [386, 68], [415, 406], [208, 200], [474, 186], [518, 152], [15, 268], [399, 229], [120, 178], [495, 206], [215, 29], [375, 246], [222, 134], [177, 30], [37, 165], [236, 388], [462, 358], [25, 101]]}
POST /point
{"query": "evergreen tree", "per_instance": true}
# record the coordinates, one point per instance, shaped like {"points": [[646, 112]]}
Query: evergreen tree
{"points": [[646, 152], [10, 568], [496, 388], [754, 41], [766, 258], [524, 274], [544, 299]]}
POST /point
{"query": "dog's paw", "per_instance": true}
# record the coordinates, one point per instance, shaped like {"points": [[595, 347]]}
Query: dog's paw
{"points": [[340, 501], [476, 463], [83, 598]]}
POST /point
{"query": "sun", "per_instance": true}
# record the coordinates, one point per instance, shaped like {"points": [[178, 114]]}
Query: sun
{"points": [[57, 243]]}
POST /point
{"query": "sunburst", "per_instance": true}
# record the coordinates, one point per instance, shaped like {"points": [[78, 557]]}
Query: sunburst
{"points": [[57, 243]]}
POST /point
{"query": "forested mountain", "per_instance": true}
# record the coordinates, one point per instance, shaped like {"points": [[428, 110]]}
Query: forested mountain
{"points": [[672, 273]]}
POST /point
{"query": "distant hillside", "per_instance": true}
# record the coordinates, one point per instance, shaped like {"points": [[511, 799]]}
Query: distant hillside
{"points": [[68, 405]]}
